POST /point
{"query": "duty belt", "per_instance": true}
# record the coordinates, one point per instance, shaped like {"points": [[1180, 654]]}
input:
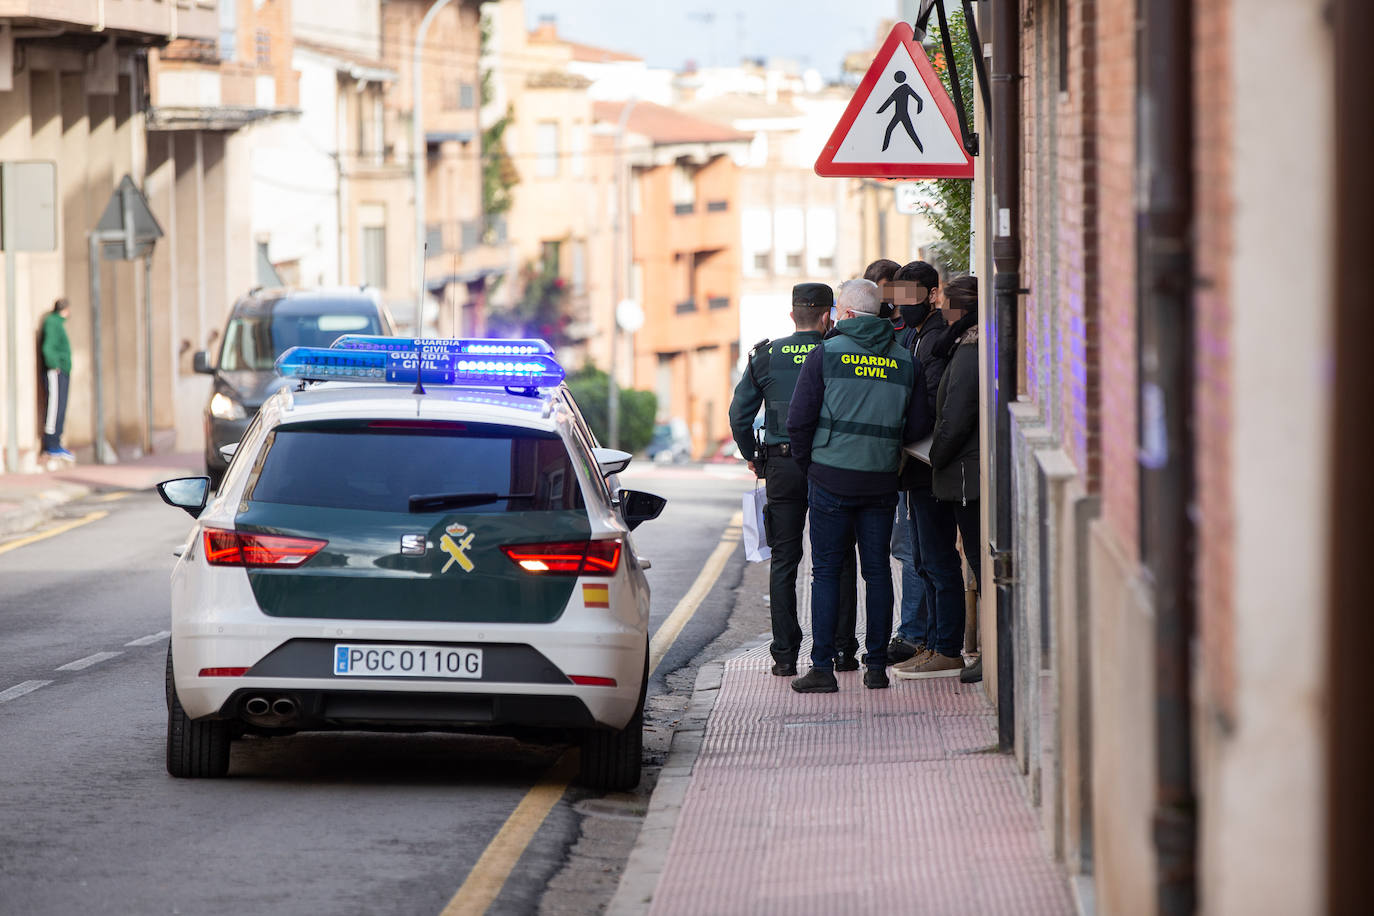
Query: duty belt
{"points": [[783, 450]]}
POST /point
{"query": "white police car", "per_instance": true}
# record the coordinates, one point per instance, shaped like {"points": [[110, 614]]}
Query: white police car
{"points": [[447, 556]]}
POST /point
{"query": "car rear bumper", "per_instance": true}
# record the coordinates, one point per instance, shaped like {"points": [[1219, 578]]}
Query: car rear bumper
{"points": [[522, 665], [385, 710]]}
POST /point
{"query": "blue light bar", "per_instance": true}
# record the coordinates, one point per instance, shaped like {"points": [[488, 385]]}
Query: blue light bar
{"points": [[448, 346], [432, 367]]}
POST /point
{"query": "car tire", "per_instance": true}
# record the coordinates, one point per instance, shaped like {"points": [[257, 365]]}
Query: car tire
{"points": [[196, 749], [612, 759]]}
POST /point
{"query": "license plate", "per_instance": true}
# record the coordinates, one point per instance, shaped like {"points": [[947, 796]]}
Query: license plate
{"points": [[364, 660]]}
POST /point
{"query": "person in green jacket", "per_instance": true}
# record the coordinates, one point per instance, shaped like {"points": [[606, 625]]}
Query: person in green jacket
{"points": [[57, 361]]}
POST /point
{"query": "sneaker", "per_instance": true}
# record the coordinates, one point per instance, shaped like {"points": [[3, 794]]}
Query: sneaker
{"points": [[935, 665], [64, 455], [916, 661], [785, 669], [899, 650], [846, 661], [816, 681], [875, 679], [973, 673]]}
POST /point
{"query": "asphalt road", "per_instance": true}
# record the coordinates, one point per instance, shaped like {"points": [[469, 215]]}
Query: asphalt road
{"points": [[312, 824]]}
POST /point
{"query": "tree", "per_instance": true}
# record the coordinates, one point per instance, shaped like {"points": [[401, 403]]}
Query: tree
{"points": [[539, 312], [949, 201], [590, 388]]}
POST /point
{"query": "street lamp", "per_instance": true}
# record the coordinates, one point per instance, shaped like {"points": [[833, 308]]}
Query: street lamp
{"points": [[420, 155]]}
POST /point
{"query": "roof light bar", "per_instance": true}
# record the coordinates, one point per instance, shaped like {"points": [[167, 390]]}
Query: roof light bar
{"points": [[313, 364], [447, 346]]}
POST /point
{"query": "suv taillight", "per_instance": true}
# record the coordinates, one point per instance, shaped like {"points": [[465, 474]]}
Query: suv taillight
{"points": [[567, 558], [236, 548]]}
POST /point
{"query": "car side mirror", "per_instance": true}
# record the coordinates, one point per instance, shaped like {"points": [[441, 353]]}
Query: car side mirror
{"points": [[200, 362], [227, 451], [611, 460], [189, 493], [637, 507]]}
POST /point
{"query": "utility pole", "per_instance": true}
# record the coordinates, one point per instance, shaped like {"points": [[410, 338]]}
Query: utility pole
{"points": [[622, 266], [420, 155]]}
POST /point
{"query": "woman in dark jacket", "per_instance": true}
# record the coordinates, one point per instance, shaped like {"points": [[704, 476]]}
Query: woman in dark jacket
{"points": [[954, 446]]}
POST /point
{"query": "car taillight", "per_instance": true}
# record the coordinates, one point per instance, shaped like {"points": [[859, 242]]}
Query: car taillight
{"points": [[236, 548], [223, 672], [567, 558]]}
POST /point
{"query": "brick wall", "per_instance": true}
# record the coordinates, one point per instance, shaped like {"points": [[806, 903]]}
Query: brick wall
{"points": [[1212, 403], [1116, 279]]}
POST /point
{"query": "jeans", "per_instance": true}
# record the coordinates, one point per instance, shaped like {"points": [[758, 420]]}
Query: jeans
{"points": [[915, 610], [58, 384], [970, 532], [936, 529], [836, 521]]}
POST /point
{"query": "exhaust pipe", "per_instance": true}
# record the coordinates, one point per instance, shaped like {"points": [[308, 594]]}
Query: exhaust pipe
{"points": [[257, 706], [285, 707]]}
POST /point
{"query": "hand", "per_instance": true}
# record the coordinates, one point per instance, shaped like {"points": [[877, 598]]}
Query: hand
{"points": [[752, 468]]}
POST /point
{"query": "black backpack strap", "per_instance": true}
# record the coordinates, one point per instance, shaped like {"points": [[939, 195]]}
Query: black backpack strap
{"points": [[762, 345]]}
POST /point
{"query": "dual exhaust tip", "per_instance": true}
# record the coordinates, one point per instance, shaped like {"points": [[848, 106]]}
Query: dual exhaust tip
{"points": [[260, 707]]}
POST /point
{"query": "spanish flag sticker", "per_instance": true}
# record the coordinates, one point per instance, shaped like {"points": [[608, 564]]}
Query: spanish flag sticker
{"points": [[596, 595]]}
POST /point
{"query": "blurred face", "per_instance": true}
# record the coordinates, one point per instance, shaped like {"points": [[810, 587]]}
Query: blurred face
{"points": [[907, 292], [953, 313]]}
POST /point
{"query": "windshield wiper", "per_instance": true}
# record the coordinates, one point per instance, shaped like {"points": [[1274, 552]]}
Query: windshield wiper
{"points": [[433, 502]]}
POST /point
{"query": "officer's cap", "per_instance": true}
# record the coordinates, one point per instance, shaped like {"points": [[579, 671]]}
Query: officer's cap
{"points": [[813, 295]]}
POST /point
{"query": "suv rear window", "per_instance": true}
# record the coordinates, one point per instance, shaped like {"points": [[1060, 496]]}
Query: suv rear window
{"points": [[253, 342], [382, 465]]}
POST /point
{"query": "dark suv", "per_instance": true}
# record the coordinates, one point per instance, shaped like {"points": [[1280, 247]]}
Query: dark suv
{"points": [[262, 326]]}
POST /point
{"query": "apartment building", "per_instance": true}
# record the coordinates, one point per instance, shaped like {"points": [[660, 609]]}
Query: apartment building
{"points": [[685, 229]]}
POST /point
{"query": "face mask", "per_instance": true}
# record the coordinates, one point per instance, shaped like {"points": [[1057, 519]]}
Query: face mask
{"points": [[915, 314]]}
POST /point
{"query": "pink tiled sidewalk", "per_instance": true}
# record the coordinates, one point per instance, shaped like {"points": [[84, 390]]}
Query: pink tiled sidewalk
{"points": [[866, 801]]}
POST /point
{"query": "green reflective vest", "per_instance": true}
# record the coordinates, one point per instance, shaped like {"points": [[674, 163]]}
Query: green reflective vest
{"points": [[864, 409], [776, 368]]}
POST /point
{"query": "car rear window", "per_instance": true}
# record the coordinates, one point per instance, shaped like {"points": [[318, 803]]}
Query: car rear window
{"points": [[382, 465], [253, 342]]}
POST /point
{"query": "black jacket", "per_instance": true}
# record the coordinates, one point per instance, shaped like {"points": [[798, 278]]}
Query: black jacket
{"points": [[923, 344], [954, 448]]}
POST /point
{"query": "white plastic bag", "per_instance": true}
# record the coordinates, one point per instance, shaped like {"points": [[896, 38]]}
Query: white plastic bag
{"points": [[756, 548]]}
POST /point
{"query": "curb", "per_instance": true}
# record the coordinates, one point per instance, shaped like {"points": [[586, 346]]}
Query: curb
{"points": [[645, 865], [33, 509]]}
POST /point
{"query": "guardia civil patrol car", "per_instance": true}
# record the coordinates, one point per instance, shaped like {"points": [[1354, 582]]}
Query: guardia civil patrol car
{"points": [[416, 535]]}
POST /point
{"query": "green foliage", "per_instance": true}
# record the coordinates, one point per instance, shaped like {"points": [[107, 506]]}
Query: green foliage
{"points": [[591, 389], [539, 312], [498, 170], [950, 206]]}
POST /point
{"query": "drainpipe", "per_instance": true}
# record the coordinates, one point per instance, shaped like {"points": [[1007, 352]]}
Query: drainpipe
{"points": [[1349, 728], [1006, 282], [1164, 149], [419, 153]]}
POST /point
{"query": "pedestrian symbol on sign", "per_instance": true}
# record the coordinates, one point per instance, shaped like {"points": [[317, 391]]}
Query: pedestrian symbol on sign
{"points": [[900, 99]]}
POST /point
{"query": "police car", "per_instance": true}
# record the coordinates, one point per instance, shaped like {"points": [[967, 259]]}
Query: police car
{"points": [[417, 534]]}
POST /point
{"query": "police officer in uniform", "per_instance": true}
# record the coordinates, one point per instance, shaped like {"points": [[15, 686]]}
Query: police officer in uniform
{"points": [[768, 380], [859, 397]]}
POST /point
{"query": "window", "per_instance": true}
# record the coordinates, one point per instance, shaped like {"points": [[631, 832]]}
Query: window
{"points": [[253, 342], [579, 267], [263, 48], [794, 260], [684, 189], [761, 261], [360, 466], [546, 149], [577, 160], [228, 29], [374, 256], [467, 96], [550, 256], [826, 262]]}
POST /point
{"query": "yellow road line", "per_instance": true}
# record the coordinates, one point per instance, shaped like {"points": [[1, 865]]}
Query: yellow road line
{"points": [[488, 876], [671, 628], [111, 497], [484, 883], [53, 531]]}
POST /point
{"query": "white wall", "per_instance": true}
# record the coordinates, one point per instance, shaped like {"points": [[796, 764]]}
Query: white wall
{"points": [[296, 179]]}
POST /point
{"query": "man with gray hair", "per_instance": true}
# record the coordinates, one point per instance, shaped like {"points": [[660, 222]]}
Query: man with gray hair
{"points": [[859, 397]]}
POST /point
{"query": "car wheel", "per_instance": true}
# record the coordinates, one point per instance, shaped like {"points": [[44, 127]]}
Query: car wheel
{"points": [[195, 748], [611, 760]]}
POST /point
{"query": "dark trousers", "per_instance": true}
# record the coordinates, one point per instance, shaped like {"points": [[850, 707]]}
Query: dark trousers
{"points": [[935, 530], [784, 519], [56, 418], [836, 522]]}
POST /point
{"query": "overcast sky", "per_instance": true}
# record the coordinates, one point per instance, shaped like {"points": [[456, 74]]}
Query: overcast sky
{"points": [[815, 33]]}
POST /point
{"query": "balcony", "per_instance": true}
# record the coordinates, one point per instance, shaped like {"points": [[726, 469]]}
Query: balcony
{"points": [[465, 235], [682, 308], [717, 206], [718, 302], [684, 209], [161, 18]]}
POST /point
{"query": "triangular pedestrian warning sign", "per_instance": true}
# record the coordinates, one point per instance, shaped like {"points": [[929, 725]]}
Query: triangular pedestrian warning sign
{"points": [[900, 123]]}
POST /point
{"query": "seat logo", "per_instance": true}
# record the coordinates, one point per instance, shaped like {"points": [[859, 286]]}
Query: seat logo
{"points": [[413, 545], [456, 542]]}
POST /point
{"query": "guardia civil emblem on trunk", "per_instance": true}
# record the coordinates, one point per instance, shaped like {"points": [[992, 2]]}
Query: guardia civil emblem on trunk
{"points": [[456, 542]]}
